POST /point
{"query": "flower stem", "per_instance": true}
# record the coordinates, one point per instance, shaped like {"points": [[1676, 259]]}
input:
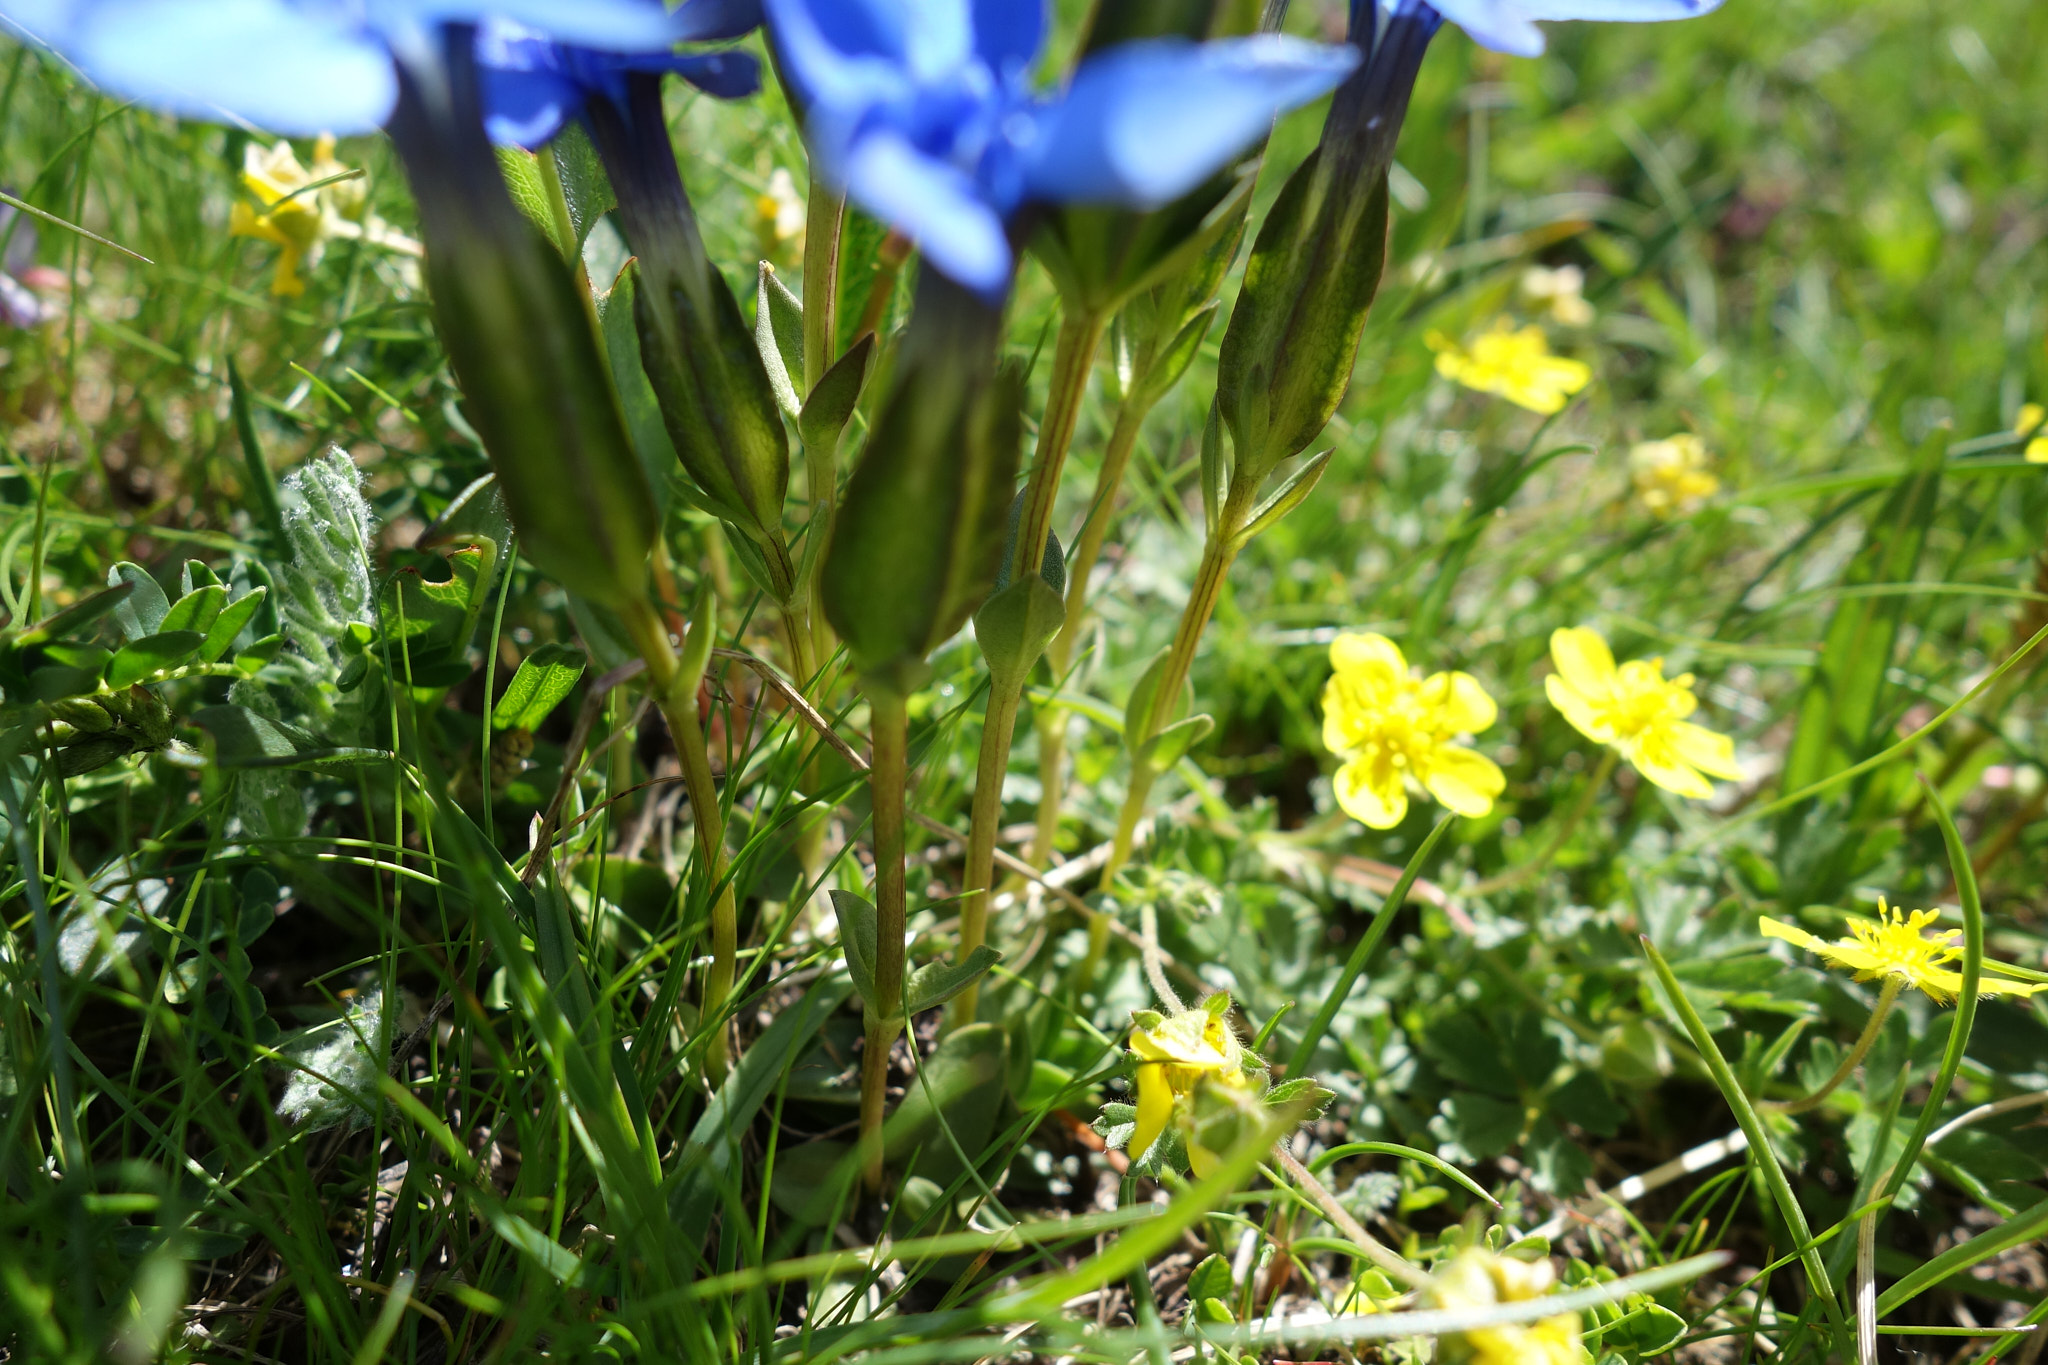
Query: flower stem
{"points": [[822, 234], [1073, 357], [1515, 876], [1052, 722], [676, 696], [1885, 999], [887, 778], [1382, 1255]]}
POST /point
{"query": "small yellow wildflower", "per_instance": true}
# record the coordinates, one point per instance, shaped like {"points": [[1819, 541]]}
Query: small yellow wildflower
{"points": [[2031, 417], [1175, 1055], [1896, 946], [291, 221], [1672, 476], [780, 215], [1392, 729], [1562, 290], [1638, 711], [1517, 365], [1479, 1279]]}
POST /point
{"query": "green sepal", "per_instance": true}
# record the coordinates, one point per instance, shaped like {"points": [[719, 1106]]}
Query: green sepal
{"points": [[830, 405], [1100, 257], [1301, 1087], [1293, 337], [935, 983], [1147, 1019], [779, 337]]}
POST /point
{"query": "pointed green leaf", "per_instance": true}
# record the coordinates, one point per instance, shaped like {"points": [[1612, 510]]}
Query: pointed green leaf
{"points": [[1288, 496], [142, 611], [77, 616], [935, 983], [152, 654], [831, 404], [230, 623], [196, 610], [197, 576], [545, 678], [262, 483], [779, 336], [860, 937]]}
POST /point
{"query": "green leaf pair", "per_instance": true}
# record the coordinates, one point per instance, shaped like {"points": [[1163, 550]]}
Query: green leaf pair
{"points": [[924, 988]]}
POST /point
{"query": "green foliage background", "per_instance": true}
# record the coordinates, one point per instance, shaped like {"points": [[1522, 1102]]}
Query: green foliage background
{"points": [[1813, 233]]}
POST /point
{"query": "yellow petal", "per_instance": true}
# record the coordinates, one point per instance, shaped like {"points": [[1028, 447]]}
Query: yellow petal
{"points": [[1463, 780], [1461, 704], [1574, 707], [1202, 1161], [1709, 752], [1583, 660], [1155, 1106], [1341, 720], [1790, 933], [1366, 650], [1373, 798], [1853, 955], [1657, 764]]}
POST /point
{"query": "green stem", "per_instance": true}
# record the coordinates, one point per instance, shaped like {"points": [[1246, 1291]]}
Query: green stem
{"points": [[822, 235], [1052, 722], [1515, 876], [887, 778], [677, 697], [1073, 357], [998, 727], [1886, 998]]}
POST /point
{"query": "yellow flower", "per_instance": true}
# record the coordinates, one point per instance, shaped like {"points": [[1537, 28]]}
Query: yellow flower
{"points": [[1638, 711], [2031, 417], [1391, 729], [1898, 948], [1673, 475], [1517, 365], [1562, 290], [1480, 1279], [1174, 1056], [292, 220], [780, 215]]}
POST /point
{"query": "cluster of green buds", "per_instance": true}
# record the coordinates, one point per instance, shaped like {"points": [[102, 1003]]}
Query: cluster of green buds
{"points": [[1200, 1092]]}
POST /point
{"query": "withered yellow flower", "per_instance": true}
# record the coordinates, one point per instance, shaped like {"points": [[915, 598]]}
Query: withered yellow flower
{"points": [[2031, 416], [1392, 729], [1897, 947], [1476, 1278], [1517, 365], [1673, 476], [1175, 1055], [1638, 711]]}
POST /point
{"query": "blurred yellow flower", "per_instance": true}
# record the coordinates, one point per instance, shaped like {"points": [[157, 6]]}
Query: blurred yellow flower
{"points": [[1392, 728], [292, 219], [1562, 291], [1896, 946], [1638, 711], [2031, 416], [780, 215], [1517, 365], [1479, 1279], [1176, 1054], [1672, 476]]}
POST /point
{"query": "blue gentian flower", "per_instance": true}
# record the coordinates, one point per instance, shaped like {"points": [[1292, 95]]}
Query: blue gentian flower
{"points": [[1510, 25], [302, 66], [925, 114], [532, 85]]}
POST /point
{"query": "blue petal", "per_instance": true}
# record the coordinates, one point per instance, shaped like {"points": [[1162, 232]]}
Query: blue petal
{"points": [[727, 75], [1503, 25], [614, 25], [715, 21], [1008, 33], [935, 204], [1622, 11], [832, 56], [39, 21], [268, 63], [938, 38], [1146, 122], [527, 108]]}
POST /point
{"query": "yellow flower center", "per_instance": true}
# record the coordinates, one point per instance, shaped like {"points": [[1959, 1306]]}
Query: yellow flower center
{"points": [[1899, 946]]}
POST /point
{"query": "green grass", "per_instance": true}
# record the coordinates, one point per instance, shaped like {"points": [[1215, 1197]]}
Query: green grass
{"points": [[1813, 234]]}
